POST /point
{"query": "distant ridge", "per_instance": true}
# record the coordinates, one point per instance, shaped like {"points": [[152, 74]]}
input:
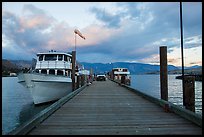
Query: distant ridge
{"points": [[134, 68], [9, 67]]}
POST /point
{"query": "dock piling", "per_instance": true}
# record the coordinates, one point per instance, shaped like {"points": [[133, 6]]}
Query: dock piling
{"points": [[163, 73], [73, 69], [123, 80], [78, 82], [82, 80], [189, 98]]}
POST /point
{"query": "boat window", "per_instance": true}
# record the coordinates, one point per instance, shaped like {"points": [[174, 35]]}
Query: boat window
{"points": [[52, 71], [69, 73], [66, 72], [54, 57], [50, 57], [59, 57], [40, 57], [65, 58], [59, 72], [44, 71]]}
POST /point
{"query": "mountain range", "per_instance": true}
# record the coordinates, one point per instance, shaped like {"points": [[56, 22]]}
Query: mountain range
{"points": [[134, 68]]}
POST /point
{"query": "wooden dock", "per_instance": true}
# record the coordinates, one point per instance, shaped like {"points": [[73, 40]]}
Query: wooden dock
{"points": [[105, 108]]}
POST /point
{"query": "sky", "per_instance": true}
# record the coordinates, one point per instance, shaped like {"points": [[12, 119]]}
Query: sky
{"points": [[113, 31]]}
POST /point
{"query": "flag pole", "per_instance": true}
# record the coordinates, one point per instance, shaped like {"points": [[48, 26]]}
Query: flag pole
{"points": [[75, 41], [79, 33], [181, 25]]}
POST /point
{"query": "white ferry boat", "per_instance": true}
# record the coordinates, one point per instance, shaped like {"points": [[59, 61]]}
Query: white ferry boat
{"points": [[117, 74], [51, 78]]}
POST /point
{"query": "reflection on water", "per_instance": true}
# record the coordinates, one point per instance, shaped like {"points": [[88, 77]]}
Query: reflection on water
{"points": [[29, 110], [17, 104], [150, 84]]}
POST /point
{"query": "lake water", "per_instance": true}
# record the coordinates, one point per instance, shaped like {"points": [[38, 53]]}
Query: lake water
{"points": [[150, 84], [17, 104], [18, 107]]}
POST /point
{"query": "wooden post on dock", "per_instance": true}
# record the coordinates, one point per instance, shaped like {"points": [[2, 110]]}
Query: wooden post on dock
{"points": [[189, 98], [163, 73], [82, 80], [91, 73], [78, 80], [73, 69], [112, 74]]}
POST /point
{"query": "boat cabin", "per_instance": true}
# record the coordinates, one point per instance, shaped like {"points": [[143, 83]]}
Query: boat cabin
{"points": [[54, 63], [119, 72]]}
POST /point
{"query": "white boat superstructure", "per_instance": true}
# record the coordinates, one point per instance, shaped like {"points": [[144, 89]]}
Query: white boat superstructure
{"points": [[119, 72], [51, 78]]}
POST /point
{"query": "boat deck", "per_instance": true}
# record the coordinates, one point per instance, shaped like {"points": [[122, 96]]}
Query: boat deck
{"points": [[105, 108]]}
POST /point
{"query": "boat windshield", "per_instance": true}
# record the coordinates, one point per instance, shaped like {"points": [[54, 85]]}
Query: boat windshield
{"points": [[50, 57], [54, 57], [60, 57], [40, 57]]}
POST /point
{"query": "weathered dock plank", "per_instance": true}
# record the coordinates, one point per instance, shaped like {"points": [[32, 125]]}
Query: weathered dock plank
{"points": [[105, 108]]}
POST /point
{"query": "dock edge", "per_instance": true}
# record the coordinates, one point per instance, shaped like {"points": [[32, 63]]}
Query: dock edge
{"points": [[187, 114], [38, 118]]}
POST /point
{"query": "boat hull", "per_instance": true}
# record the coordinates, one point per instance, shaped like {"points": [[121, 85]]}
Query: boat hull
{"points": [[46, 88]]}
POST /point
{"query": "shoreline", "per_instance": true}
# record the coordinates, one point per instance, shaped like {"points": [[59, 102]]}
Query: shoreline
{"points": [[197, 77]]}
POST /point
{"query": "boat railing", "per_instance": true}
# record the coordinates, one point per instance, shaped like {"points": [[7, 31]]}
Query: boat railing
{"points": [[53, 65]]}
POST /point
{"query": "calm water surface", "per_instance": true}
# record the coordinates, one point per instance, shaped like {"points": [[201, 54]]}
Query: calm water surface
{"points": [[150, 84], [18, 107], [17, 104]]}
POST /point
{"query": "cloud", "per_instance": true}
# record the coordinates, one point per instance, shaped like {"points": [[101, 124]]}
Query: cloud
{"points": [[192, 18], [134, 32], [173, 60], [195, 63], [192, 42], [189, 42], [96, 34], [152, 59], [31, 9], [36, 31], [127, 11], [110, 20], [25, 31], [144, 28], [35, 18]]}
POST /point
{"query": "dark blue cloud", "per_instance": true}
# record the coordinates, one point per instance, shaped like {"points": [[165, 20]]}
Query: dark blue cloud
{"points": [[134, 10], [165, 24], [192, 18], [112, 21]]}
